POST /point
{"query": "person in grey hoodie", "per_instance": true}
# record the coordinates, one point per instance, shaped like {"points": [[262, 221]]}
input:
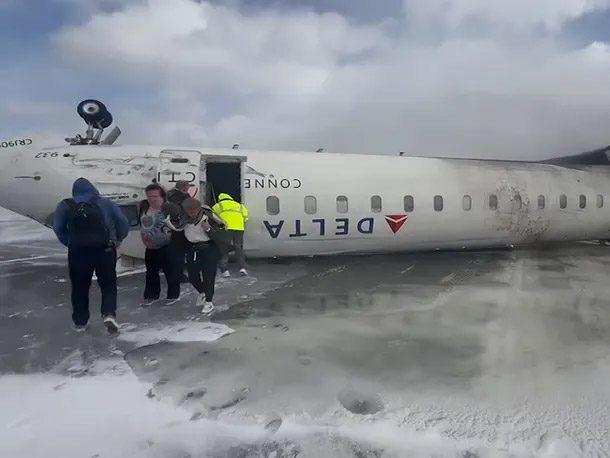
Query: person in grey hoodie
{"points": [[92, 227]]}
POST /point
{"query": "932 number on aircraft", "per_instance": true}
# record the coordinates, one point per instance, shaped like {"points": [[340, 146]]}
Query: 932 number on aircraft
{"points": [[14, 143], [46, 154]]}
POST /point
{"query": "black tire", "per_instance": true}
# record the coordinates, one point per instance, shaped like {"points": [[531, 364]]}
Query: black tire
{"points": [[94, 112]]}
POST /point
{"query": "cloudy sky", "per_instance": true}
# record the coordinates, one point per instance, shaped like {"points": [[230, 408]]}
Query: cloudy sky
{"points": [[482, 78]]}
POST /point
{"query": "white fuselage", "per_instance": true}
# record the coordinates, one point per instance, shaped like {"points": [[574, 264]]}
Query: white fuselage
{"points": [[334, 203]]}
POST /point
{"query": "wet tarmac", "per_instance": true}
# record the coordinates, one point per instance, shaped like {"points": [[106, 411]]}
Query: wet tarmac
{"points": [[496, 353]]}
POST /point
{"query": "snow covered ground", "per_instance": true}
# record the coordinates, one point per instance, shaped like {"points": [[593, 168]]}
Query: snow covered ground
{"points": [[495, 354], [110, 413]]}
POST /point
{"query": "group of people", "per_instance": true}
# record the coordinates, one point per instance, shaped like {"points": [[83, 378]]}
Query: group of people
{"points": [[177, 230]]}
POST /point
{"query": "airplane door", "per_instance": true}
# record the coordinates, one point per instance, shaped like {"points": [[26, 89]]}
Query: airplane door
{"points": [[177, 165]]}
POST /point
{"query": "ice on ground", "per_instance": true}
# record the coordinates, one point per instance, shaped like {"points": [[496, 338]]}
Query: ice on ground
{"points": [[183, 331]]}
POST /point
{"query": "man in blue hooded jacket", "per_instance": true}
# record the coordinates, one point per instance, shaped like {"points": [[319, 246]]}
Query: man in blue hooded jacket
{"points": [[91, 227]]}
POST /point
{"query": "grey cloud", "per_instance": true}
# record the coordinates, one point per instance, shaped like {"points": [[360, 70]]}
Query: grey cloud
{"points": [[290, 79], [354, 10]]}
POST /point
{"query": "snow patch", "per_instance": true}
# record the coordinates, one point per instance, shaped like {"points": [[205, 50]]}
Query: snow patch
{"points": [[28, 259], [184, 331], [124, 271], [57, 416], [17, 228], [110, 413]]}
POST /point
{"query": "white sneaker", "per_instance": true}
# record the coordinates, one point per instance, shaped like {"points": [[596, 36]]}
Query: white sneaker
{"points": [[208, 308], [80, 328], [200, 299], [243, 272], [148, 302], [226, 274], [171, 301], [111, 325]]}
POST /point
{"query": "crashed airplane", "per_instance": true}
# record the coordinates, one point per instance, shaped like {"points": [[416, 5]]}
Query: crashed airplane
{"points": [[304, 204]]}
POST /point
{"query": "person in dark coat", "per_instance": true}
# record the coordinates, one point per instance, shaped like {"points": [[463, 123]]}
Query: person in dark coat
{"points": [[92, 227]]}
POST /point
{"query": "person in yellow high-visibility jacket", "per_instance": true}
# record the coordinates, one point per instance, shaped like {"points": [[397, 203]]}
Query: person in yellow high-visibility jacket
{"points": [[235, 216]]}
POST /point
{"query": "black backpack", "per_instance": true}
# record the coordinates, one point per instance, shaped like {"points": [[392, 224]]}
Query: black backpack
{"points": [[86, 224]]}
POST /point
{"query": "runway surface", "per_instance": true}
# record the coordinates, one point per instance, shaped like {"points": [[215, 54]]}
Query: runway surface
{"points": [[497, 353]]}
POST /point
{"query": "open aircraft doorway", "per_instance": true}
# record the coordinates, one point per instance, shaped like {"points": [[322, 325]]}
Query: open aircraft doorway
{"points": [[223, 174]]}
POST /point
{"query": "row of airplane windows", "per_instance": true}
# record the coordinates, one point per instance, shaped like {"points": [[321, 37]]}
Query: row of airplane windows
{"points": [[311, 204]]}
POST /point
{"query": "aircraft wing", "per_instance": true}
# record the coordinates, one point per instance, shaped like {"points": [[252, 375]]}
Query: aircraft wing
{"points": [[595, 157]]}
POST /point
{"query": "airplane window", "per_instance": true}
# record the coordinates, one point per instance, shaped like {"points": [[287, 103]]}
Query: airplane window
{"points": [[563, 201], [131, 213], [582, 201], [273, 205], [466, 203], [493, 202], [600, 201], [408, 203], [517, 202], [438, 203], [342, 204], [311, 205], [376, 204], [541, 202]]}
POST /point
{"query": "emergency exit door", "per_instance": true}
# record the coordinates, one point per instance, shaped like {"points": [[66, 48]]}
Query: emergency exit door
{"points": [[222, 174], [175, 165]]}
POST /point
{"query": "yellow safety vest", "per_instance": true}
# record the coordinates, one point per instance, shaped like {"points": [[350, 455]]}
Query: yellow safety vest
{"points": [[232, 213]]}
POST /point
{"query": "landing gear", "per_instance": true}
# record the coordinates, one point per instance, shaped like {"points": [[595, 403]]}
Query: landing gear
{"points": [[97, 117]]}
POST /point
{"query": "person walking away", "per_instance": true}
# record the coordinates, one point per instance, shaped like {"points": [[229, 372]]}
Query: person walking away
{"points": [[92, 227], [235, 216], [160, 253], [203, 253], [176, 196]]}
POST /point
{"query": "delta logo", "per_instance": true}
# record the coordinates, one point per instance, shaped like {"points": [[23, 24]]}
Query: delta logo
{"points": [[396, 222], [331, 227]]}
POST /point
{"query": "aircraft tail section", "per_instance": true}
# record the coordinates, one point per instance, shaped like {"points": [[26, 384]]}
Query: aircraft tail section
{"points": [[596, 157]]}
